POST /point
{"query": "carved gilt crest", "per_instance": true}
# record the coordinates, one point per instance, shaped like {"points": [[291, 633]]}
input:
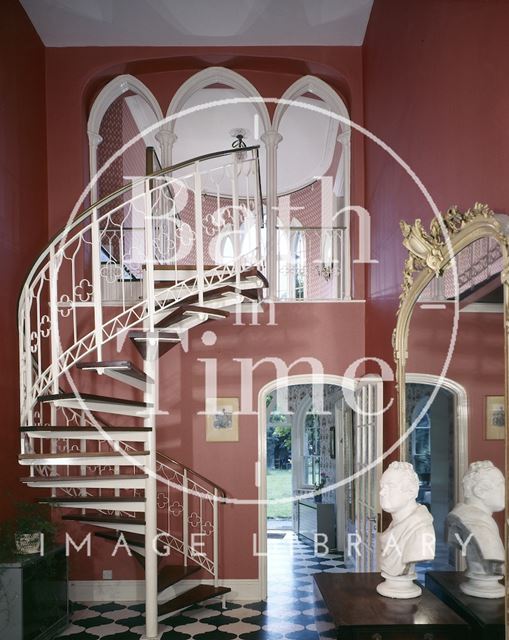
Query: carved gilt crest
{"points": [[428, 249]]}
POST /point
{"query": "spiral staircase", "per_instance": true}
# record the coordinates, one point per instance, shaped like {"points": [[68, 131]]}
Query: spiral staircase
{"points": [[124, 283]]}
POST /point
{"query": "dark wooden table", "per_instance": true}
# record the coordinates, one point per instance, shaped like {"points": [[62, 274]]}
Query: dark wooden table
{"points": [[360, 613], [485, 616]]}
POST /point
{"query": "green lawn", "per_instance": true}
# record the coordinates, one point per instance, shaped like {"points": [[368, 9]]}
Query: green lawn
{"points": [[279, 485]]}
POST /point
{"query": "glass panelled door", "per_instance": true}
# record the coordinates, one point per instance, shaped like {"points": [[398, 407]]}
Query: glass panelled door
{"points": [[363, 510]]}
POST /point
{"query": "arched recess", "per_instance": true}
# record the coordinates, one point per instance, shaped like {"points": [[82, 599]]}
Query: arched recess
{"points": [[316, 86], [330, 162], [109, 93]]}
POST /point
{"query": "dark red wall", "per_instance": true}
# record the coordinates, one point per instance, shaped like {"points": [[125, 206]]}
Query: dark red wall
{"points": [[435, 91], [23, 208]]}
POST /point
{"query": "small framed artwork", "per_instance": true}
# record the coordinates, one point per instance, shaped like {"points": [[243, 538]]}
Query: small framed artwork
{"points": [[495, 418], [223, 424]]}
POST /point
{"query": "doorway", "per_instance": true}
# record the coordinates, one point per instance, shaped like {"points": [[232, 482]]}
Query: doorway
{"points": [[437, 448], [309, 453]]}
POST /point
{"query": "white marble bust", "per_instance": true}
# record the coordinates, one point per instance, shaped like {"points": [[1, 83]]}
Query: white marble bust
{"points": [[410, 537], [472, 528]]}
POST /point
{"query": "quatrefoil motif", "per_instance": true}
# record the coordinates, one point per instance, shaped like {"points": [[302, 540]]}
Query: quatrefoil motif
{"points": [[45, 326], [194, 519], [207, 528], [34, 342], [176, 508], [65, 310], [84, 290], [162, 500]]}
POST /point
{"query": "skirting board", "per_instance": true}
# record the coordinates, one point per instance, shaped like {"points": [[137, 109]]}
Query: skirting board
{"points": [[134, 590]]}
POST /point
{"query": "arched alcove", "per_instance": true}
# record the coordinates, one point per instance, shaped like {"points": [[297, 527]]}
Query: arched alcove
{"points": [[123, 109]]}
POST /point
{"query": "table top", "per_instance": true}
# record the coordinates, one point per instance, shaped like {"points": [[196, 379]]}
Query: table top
{"points": [[485, 611], [352, 601]]}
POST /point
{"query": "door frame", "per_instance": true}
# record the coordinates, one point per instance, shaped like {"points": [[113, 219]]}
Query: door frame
{"points": [[261, 465], [460, 422]]}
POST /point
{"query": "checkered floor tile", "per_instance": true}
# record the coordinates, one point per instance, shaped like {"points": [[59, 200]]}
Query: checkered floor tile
{"points": [[292, 610]]}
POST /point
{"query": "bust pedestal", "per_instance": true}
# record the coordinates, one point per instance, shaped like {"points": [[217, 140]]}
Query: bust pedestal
{"points": [[480, 585], [400, 587]]}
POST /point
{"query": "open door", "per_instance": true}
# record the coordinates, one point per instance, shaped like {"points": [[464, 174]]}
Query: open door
{"points": [[363, 446]]}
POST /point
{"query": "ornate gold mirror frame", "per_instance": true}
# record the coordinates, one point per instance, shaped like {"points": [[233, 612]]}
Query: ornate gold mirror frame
{"points": [[429, 252]]}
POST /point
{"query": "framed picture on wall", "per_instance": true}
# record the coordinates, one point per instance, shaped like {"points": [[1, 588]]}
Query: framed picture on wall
{"points": [[223, 424], [495, 418]]}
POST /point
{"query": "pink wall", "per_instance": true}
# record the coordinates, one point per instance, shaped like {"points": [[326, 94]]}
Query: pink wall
{"points": [[299, 332], [325, 331], [74, 77], [434, 91], [23, 209], [477, 364]]}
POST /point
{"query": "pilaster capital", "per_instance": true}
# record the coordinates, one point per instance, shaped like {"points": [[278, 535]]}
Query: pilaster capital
{"points": [[271, 138], [166, 137], [94, 138], [344, 137]]}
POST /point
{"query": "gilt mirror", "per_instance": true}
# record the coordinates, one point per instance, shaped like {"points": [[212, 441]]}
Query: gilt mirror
{"points": [[450, 349]]}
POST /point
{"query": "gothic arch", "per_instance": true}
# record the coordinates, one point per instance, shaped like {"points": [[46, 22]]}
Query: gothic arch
{"points": [[213, 75], [108, 94]]}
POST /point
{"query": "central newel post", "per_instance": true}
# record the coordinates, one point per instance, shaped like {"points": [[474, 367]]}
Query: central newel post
{"points": [[151, 367]]}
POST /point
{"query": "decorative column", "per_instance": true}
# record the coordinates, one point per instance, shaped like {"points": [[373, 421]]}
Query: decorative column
{"points": [[94, 140], [166, 139], [344, 141], [271, 139]]}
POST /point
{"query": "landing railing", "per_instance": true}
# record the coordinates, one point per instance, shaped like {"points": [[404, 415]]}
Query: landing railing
{"points": [[311, 263], [95, 280]]}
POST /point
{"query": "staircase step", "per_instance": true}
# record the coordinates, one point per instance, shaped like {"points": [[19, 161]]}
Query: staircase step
{"points": [[102, 404], [105, 481], [122, 370], [170, 574], [251, 275], [166, 340], [88, 458], [224, 296], [130, 434], [195, 595], [119, 523], [136, 504], [192, 312], [182, 267]]}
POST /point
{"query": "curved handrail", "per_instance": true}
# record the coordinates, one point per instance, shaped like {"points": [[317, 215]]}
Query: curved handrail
{"points": [[112, 196], [195, 473]]}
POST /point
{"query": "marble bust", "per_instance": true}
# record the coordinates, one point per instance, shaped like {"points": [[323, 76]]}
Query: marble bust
{"points": [[410, 537], [472, 528]]}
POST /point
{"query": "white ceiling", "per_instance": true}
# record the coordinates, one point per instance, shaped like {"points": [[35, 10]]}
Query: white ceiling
{"points": [[94, 23]]}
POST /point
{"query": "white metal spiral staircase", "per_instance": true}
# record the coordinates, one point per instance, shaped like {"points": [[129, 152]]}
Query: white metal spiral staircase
{"points": [[141, 267]]}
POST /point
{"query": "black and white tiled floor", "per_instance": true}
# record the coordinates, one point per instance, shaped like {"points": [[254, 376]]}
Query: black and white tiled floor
{"points": [[291, 612]]}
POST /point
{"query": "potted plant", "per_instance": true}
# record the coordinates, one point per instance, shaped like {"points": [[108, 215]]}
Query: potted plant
{"points": [[32, 520]]}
